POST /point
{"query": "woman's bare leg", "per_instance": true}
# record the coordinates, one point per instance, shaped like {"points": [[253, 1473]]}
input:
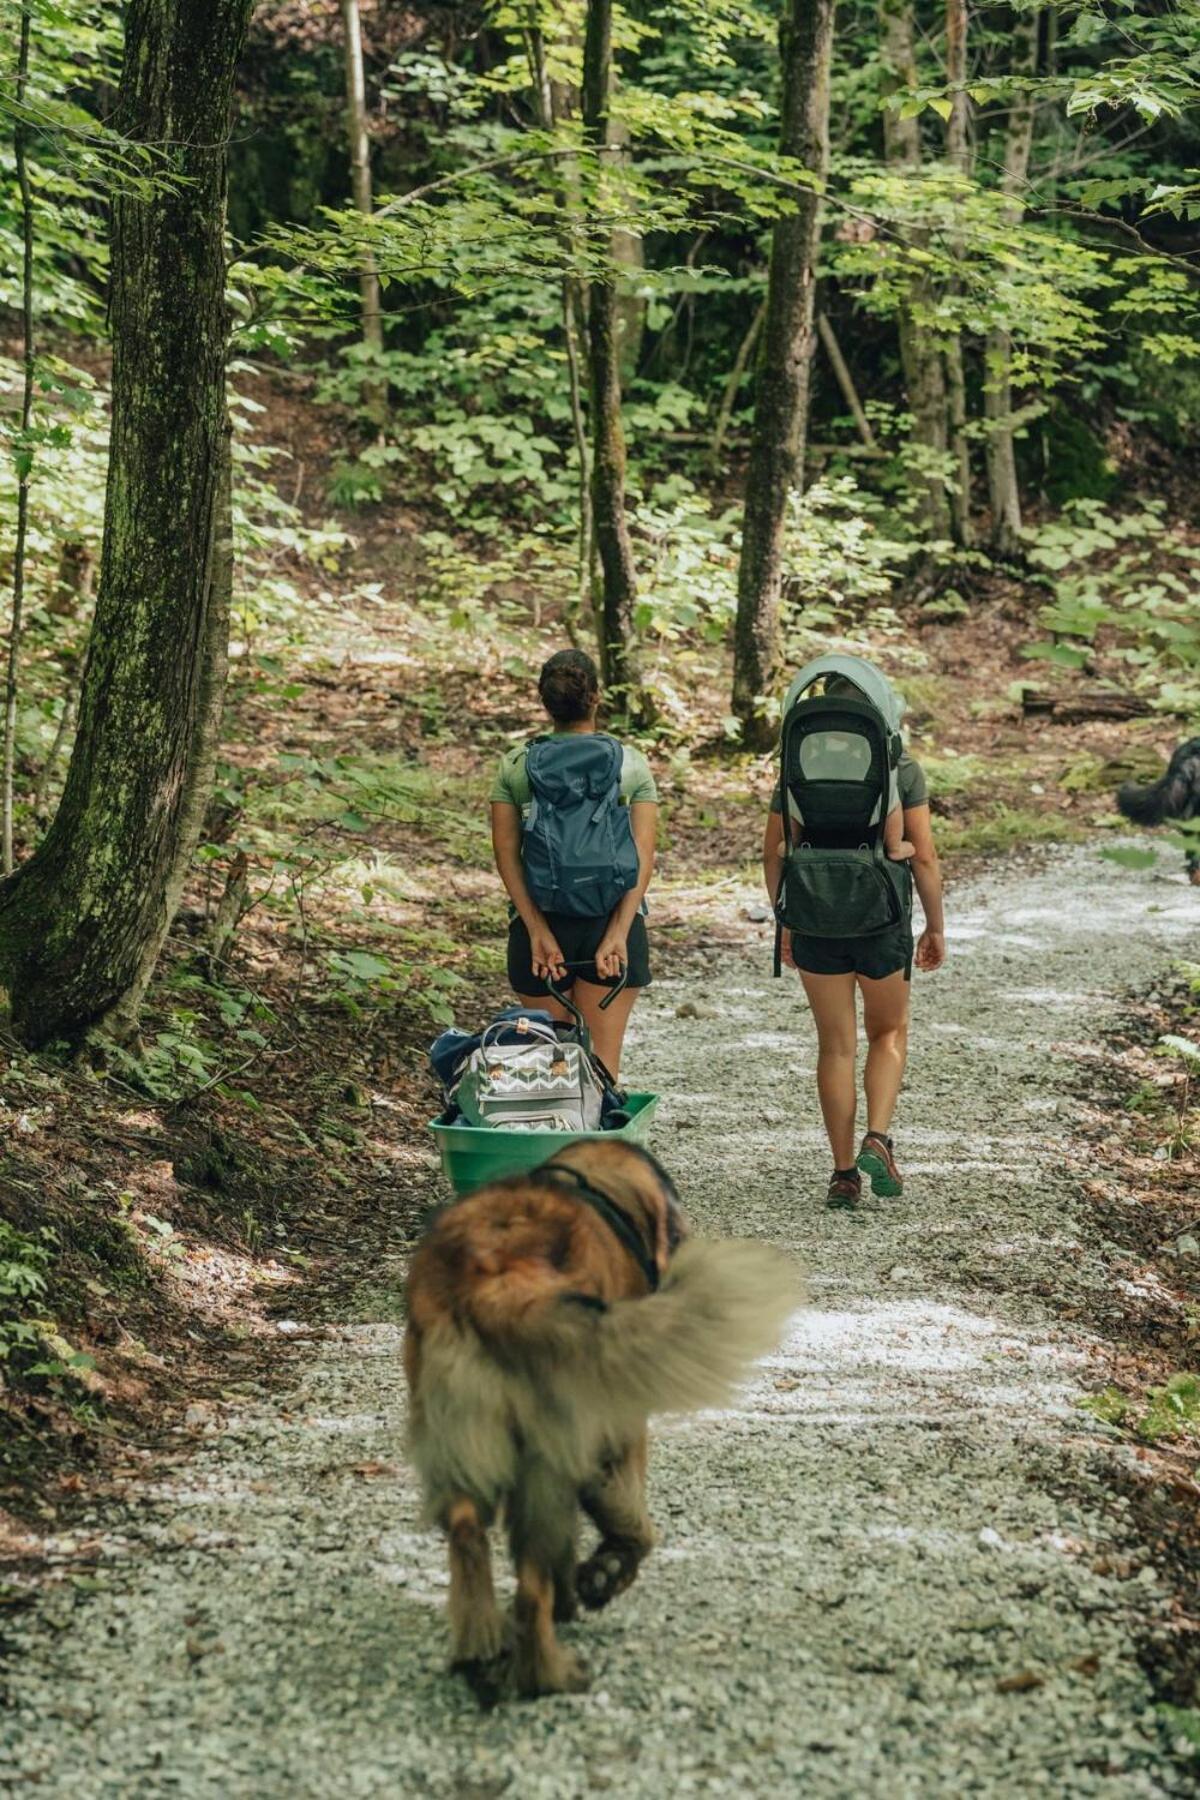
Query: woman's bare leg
{"points": [[831, 998], [608, 1027], [544, 1003], [885, 1020]]}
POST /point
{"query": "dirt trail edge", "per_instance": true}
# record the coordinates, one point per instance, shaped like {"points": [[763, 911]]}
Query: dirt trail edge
{"points": [[897, 1568]]}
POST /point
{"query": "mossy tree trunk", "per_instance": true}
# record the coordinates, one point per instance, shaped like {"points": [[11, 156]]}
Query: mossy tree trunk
{"points": [[82, 922], [920, 352], [1004, 494], [618, 574], [776, 462]]}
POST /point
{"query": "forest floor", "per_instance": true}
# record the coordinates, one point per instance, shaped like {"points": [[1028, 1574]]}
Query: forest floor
{"points": [[910, 1561]]}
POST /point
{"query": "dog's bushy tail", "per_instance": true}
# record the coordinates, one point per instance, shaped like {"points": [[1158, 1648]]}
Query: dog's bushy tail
{"points": [[1175, 795], [722, 1305], [545, 1373], [1144, 805]]}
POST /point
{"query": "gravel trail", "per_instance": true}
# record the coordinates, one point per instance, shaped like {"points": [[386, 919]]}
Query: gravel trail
{"points": [[897, 1568]]}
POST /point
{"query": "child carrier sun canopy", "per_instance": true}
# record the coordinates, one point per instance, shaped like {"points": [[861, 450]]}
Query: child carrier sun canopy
{"points": [[873, 685]]}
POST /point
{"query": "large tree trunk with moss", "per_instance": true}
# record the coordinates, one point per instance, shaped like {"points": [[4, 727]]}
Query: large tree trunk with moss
{"points": [[1004, 494], [920, 352], [776, 463], [618, 660], [82, 922]]}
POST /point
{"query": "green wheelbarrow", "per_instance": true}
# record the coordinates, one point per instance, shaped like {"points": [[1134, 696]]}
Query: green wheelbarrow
{"points": [[474, 1154]]}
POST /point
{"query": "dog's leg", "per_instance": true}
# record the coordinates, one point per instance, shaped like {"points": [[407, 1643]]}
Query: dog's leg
{"points": [[616, 1501], [476, 1628], [566, 1600], [541, 1525]]}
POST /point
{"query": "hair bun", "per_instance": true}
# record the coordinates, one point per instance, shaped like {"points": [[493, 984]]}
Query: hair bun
{"points": [[569, 685]]}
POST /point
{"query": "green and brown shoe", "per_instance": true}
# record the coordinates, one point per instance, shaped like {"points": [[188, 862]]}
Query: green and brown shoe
{"points": [[845, 1188], [876, 1159]]}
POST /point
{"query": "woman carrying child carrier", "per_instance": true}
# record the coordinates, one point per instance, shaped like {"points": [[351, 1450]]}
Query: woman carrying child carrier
{"points": [[847, 835], [574, 823]]}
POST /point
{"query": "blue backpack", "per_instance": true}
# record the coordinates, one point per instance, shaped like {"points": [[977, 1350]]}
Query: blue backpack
{"points": [[578, 848]]}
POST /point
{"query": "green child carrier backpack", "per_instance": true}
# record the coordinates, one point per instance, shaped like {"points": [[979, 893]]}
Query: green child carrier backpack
{"points": [[838, 756]]}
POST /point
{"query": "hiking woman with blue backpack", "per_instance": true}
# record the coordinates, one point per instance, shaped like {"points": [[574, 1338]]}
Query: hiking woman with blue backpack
{"points": [[848, 834], [574, 824]]}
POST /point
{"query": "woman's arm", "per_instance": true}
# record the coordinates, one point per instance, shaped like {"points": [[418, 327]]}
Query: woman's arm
{"points": [[506, 847], [613, 953], [927, 873]]}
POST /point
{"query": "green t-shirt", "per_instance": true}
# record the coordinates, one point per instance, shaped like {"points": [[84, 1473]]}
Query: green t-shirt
{"points": [[910, 778], [512, 781]]}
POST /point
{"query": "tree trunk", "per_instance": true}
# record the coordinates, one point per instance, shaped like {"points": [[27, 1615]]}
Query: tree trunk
{"points": [[630, 255], [360, 181], [776, 463], [920, 354], [958, 151], [1003, 492], [82, 922], [24, 453], [618, 660], [574, 330]]}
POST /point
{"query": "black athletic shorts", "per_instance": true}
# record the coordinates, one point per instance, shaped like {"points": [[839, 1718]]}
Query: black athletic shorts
{"points": [[579, 940], [876, 956]]}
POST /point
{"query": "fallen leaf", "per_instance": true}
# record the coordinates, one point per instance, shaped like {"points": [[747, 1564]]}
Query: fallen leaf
{"points": [[1020, 1684]]}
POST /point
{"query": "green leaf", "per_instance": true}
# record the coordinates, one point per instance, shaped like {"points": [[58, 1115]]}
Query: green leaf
{"points": [[1067, 656], [1129, 858]]}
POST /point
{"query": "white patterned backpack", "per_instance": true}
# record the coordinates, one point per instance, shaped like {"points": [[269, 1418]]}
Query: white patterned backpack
{"points": [[525, 1076]]}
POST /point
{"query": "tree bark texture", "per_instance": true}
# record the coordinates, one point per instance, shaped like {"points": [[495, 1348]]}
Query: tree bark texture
{"points": [[958, 152], [920, 352], [360, 181], [82, 922], [1004, 495], [618, 660], [25, 190], [776, 462]]}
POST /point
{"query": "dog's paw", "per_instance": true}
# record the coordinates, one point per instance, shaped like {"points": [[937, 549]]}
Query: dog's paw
{"points": [[563, 1672], [487, 1678], [608, 1572]]}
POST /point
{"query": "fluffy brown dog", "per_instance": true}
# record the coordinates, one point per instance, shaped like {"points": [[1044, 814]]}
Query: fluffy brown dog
{"points": [[549, 1315]]}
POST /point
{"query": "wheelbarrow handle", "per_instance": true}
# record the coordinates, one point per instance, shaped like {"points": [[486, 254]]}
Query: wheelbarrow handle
{"points": [[565, 999]]}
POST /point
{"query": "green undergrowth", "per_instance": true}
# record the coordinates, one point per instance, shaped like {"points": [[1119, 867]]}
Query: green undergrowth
{"points": [[1167, 1412], [999, 828]]}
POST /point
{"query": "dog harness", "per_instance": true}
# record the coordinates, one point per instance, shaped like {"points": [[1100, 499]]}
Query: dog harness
{"points": [[614, 1216]]}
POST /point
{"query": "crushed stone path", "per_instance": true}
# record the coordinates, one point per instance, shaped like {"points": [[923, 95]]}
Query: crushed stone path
{"points": [[897, 1568]]}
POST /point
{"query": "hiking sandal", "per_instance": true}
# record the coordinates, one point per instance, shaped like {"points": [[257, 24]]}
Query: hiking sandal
{"points": [[875, 1158]]}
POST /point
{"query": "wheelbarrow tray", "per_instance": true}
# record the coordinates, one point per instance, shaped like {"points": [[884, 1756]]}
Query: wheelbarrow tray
{"points": [[474, 1154]]}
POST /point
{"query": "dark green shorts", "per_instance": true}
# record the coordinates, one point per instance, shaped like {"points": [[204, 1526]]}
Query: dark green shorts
{"points": [[579, 940], [876, 957]]}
